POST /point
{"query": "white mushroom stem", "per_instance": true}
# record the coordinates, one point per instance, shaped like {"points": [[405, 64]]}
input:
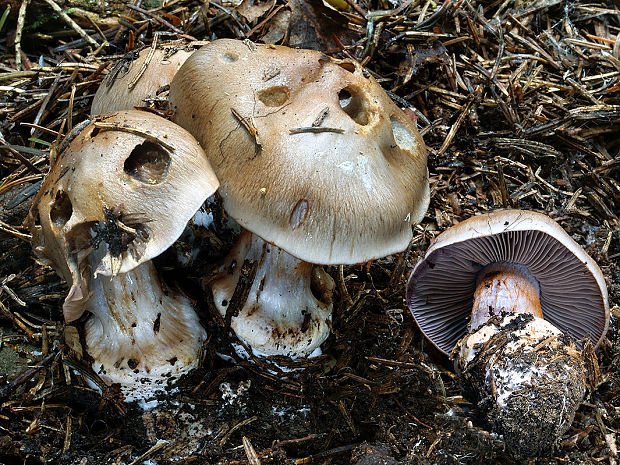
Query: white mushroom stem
{"points": [[504, 288], [289, 304], [140, 334]]}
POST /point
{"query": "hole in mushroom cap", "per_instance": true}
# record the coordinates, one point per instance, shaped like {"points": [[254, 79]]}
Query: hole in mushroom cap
{"points": [[299, 214], [354, 104], [275, 96], [80, 238], [61, 210], [148, 163], [229, 57], [348, 66], [402, 136]]}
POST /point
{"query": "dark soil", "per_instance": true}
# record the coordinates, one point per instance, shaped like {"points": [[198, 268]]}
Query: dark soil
{"points": [[518, 102]]}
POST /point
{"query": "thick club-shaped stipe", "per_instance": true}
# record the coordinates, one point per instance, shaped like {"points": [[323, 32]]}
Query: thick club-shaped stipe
{"points": [[527, 379], [288, 307]]}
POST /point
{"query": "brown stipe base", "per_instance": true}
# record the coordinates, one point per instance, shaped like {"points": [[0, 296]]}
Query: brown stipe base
{"points": [[527, 378]]}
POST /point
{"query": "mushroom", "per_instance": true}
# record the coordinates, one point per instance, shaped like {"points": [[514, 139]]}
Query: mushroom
{"points": [[316, 163], [481, 293], [120, 193], [137, 76]]}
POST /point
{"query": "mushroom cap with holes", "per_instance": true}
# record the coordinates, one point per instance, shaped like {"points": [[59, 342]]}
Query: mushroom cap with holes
{"points": [[115, 94], [124, 189], [345, 188], [573, 294]]}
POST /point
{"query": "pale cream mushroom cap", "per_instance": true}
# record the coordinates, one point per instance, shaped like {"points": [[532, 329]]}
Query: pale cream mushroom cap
{"points": [[573, 293], [123, 90], [325, 197], [135, 181]]}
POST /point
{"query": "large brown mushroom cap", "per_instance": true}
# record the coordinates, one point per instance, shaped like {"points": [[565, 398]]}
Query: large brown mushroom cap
{"points": [[131, 81], [573, 294], [344, 195], [124, 188]]}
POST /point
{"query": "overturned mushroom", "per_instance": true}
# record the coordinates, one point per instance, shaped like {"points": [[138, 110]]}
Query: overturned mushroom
{"points": [[138, 76], [316, 163], [119, 195], [482, 291]]}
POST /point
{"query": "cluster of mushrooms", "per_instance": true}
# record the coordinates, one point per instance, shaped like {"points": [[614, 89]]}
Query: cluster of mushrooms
{"points": [[318, 167]]}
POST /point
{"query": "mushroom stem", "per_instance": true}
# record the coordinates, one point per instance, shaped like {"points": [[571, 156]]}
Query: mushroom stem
{"points": [[504, 288], [512, 360], [289, 303], [526, 377], [140, 333], [524, 374]]}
